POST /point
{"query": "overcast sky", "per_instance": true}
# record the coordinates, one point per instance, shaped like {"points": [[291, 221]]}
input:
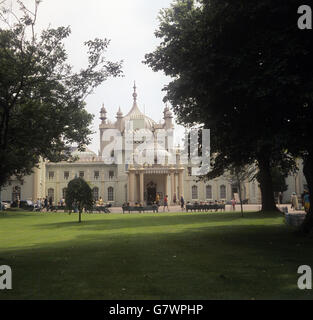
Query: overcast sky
{"points": [[130, 25]]}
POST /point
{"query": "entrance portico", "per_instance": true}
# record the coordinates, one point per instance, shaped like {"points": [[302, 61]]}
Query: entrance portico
{"points": [[145, 182]]}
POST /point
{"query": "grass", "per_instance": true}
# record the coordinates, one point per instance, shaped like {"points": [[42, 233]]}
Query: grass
{"points": [[152, 256]]}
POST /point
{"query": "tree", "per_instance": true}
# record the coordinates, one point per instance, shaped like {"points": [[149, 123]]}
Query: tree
{"points": [[238, 176], [279, 180], [229, 66], [78, 196], [42, 104]]}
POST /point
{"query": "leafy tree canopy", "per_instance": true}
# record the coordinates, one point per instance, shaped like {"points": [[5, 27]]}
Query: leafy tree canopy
{"points": [[240, 68], [78, 196], [42, 104]]}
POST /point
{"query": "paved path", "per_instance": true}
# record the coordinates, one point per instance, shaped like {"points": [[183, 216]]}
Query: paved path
{"points": [[246, 207]]}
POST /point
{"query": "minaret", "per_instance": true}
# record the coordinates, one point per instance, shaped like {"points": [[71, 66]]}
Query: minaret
{"points": [[119, 117], [102, 127], [135, 93], [103, 115], [168, 118]]}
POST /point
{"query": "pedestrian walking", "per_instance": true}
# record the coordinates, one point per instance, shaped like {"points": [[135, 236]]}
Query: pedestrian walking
{"points": [[233, 203], [166, 203], [182, 202], [294, 201], [306, 200]]}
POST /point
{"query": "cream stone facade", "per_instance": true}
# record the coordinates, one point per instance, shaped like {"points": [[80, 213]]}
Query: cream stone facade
{"points": [[119, 183]]}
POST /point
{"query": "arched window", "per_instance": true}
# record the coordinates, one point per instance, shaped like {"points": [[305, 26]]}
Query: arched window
{"points": [[110, 194], [194, 192], [64, 193], [51, 194], [208, 192], [95, 193], [223, 192]]}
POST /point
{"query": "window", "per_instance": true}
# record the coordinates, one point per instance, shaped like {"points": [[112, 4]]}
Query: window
{"points": [[110, 194], [63, 193], [66, 175], [95, 193], [111, 174], [194, 192], [81, 174], [223, 192], [51, 175], [51, 194], [96, 175], [208, 192], [189, 171]]}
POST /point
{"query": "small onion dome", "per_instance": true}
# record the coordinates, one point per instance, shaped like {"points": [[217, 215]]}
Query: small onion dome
{"points": [[103, 113]]}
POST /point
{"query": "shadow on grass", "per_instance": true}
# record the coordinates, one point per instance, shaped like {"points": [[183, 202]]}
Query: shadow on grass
{"points": [[15, 214], [118, 221], [224, 262]]}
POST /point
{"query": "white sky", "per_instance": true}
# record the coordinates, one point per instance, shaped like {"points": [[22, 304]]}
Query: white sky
{"points": [[130, 25]]}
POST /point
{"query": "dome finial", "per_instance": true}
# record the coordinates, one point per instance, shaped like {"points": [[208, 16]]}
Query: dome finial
{"points": [[135, 94]]}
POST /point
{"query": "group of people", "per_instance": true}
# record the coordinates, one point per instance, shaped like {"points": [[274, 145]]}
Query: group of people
{"points": [[305, 200], [207, 202], [100, 202], [46, 204], [165, 201]]}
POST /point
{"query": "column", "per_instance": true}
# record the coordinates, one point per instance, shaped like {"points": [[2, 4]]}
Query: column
{"points": [[175, 187], [131, 186], [128, 187], [180, 183], [247, 195], [141, 178], [172, 187], [297, 185], [166, 186], [35, 184]]}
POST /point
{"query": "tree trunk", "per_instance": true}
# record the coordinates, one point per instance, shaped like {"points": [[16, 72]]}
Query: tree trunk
{"points": [[240, 197], [266, 185], [307, 225]]}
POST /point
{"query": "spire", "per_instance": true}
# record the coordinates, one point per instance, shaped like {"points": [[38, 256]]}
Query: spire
{"points": [[103, 114], [119, 113], [135, 94]]}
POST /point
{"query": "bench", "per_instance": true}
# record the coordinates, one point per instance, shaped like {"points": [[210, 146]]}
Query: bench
{"points": [[153, 208], [294, 219], [54, 208], [204, 207], [99, 209]]}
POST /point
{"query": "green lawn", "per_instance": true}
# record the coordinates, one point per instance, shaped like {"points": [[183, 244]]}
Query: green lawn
{"points": [[152, 256]]}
